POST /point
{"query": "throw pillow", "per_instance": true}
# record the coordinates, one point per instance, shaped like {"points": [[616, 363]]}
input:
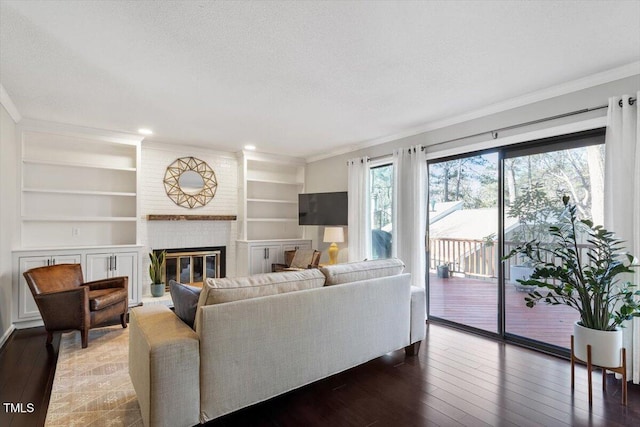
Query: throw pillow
{"points": [[302, 258], [185, 301]]}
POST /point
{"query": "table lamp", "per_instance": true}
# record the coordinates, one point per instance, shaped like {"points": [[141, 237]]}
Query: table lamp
{"points": [[333, 235]]}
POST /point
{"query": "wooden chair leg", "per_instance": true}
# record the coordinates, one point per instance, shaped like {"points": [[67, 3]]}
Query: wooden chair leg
{"points": [[589, 372], [123, 320], [49, 337], [85, 337], [604, 379]]}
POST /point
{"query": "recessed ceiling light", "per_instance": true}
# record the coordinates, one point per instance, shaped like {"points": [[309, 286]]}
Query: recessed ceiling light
{"points": [[250, 147], [144, 131]]}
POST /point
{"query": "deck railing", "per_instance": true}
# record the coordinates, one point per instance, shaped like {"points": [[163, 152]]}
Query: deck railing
{"points": [[475, 258]]}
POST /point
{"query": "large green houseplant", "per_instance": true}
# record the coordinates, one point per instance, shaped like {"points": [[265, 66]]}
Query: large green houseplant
{"points": [[156, 269], [585, 281]]}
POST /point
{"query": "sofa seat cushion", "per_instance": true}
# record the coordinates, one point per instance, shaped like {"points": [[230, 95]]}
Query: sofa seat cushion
{"points": [[218, 291], [185, 301], [101, 298], [363, 270]]}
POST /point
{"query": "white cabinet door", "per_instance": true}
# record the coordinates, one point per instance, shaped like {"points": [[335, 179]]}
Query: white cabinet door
{"points": [[274, 256], [105, 265], [257, 255], [126, 264], [261, 258], [98, 266], [27, 308]]}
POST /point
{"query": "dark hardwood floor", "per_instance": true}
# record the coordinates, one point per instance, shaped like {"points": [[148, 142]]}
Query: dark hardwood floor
{"points": [[457, 379], [27, 367]]}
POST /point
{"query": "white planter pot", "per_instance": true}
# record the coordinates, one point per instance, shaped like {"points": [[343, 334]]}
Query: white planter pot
{"points": [[520, 272], [605, 346]]}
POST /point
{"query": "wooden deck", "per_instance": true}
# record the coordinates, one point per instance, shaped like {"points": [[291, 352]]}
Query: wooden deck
{"points": [[474, 303]]}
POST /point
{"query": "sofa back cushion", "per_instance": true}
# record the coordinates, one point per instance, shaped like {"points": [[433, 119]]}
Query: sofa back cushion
{"points": [[218, 291], [363, 270]]}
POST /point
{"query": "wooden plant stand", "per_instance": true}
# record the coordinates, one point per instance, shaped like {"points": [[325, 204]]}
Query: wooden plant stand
{"points": [[622, 370]]}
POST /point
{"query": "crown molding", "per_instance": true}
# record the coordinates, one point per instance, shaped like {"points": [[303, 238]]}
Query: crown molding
{"points": [[81, 131], [603, 77], [8, 104]]}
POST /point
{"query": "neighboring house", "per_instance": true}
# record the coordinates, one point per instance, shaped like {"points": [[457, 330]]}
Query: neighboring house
{"points": [[465, 239]]}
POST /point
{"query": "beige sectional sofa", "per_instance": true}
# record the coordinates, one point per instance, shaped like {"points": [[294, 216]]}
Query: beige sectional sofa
{"points": [[264, 335]]}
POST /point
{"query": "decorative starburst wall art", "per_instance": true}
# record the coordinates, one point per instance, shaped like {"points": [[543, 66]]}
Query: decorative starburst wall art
{"points": [[190, 182]]}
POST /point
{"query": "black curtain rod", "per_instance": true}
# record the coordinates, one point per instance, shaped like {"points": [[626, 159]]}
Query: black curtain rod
{"points": [[631, 101], [494, 133]]}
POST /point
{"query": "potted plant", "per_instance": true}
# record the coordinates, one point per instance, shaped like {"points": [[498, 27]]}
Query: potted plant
{"points": [[155, 273], [587, 283]]}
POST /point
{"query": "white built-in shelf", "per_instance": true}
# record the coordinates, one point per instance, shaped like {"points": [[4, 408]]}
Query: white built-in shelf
{"points": [[77, 165], [79, 187], [79, 192], [272, 201], [275, 181], [49, 218], [269, 196], [272, 219]]}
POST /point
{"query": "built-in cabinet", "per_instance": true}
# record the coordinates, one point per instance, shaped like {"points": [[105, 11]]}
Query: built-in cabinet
{"points": [[79, 203], [255, 257], [268, 210], [97, 263]]}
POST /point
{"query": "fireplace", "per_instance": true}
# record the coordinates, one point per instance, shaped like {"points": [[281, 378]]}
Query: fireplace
{"points": [[193, 266]]}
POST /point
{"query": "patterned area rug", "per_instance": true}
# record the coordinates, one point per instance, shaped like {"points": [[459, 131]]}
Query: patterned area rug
{"points": [[91, 386]]}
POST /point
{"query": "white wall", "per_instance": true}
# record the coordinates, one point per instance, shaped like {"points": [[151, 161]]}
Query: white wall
{"points": [[330, 174], [7, 216], [179, 234]]}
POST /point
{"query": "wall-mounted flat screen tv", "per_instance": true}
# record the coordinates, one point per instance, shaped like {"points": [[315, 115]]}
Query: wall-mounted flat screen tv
{"points": [[322, 208]]}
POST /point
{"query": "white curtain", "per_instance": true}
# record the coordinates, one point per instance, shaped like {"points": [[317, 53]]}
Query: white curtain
{"points": [[359, 214], [622, 199], [409, 209]]}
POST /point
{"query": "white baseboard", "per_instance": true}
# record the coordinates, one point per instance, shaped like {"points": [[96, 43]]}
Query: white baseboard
{"points": [[29, 324], [6, 335]]}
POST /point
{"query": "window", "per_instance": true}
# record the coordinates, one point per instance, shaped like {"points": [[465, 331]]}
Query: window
{"points": [[381, 202]]}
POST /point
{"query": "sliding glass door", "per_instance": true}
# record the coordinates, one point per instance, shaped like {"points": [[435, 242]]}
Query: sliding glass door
{"points": [[483, 205], [535, 180], [463, 230]]}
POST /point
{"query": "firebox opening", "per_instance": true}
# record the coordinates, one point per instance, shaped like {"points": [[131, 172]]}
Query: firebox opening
{"points": [[192, 266]]}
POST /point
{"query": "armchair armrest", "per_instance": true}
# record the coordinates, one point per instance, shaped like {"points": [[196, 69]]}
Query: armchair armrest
{"points": [[275, 266], [76, 312], [110, 283]]}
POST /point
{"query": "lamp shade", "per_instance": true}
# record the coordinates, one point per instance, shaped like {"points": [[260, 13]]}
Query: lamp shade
{"points": [[333, 235]]}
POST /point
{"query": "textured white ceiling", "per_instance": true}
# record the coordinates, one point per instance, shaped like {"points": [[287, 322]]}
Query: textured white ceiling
{"points": [[301, 78]]}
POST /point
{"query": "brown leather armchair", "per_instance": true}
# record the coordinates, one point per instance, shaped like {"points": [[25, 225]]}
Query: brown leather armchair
{"points": [[308, 260], [66, 302]]}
